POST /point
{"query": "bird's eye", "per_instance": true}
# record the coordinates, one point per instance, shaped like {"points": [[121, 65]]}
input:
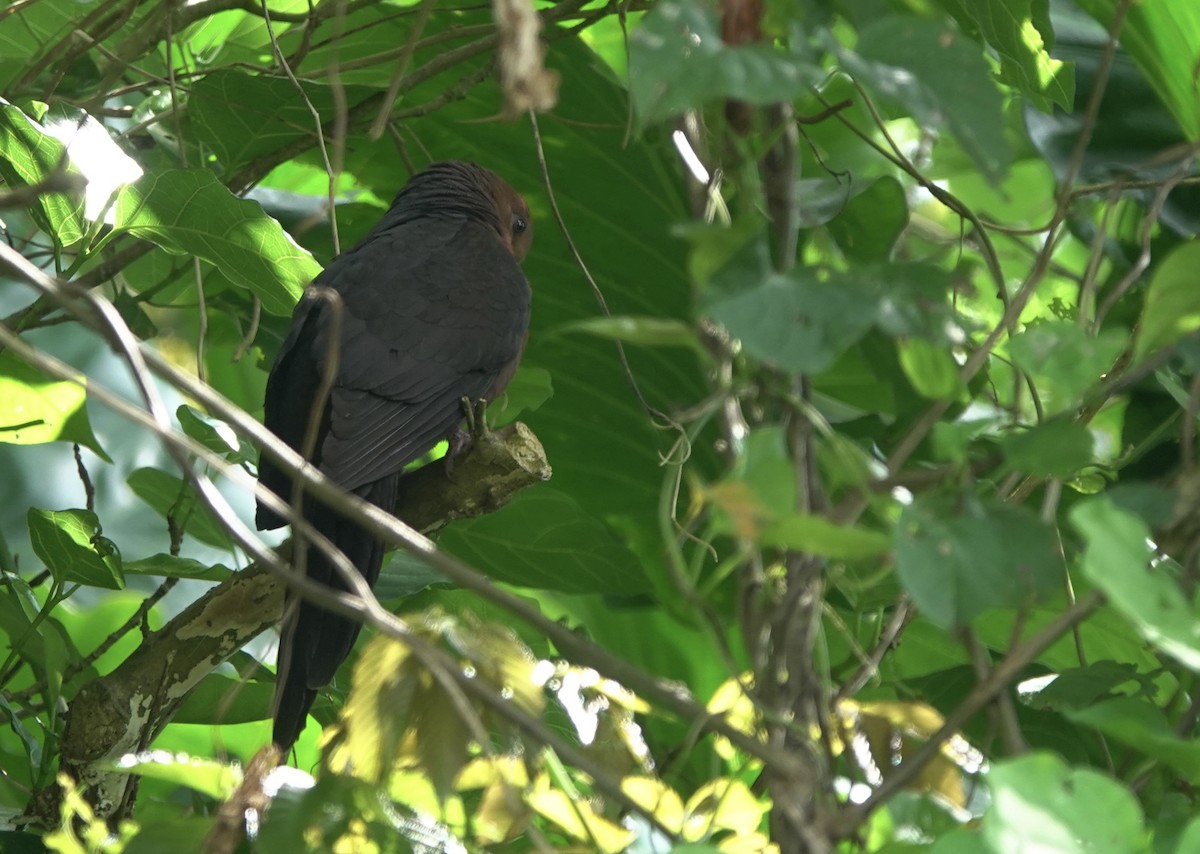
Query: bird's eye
{"points": [[519, 225]]}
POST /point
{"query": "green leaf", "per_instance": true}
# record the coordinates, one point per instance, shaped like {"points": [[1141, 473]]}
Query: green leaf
{"points": [[567, 550], [1164, 41], [170, 496], [242, 116], [1064, 360], [1143, 726], [172, 566], [872, 221], [29, 155], [69, 542], [958, 556], [1117, 560], [649, 331], [1080, 687], [930, 368], [817, 535], [1041, 804], [940, 77], [678, 61], [1172, 306], [1057, 448], [529, 388], [176, 210], [796, 323], [204, 431], [220, 700], [36, 409], [1021, 34], [218, 780]]}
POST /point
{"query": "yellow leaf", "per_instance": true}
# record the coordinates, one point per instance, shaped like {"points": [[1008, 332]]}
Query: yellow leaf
{"points": [[656, 798], [724, 804], [578, 819]]}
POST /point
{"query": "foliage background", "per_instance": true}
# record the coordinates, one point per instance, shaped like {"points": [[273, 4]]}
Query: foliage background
{"points": [[895, 462]]}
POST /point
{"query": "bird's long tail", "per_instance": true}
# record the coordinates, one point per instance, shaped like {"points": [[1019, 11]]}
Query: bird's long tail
{"points": [[314, 642]]}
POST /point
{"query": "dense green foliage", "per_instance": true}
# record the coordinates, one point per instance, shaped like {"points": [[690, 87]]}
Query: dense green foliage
{"points": [[873, 433]]}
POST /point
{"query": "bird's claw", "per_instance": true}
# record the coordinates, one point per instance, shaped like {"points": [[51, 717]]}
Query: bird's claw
{"points": [[475, 414]]}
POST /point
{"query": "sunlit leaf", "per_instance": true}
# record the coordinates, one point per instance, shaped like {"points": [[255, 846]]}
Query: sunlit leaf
{"points": [[175, 209], [36, 409], [213, 778], [1021, 33]]}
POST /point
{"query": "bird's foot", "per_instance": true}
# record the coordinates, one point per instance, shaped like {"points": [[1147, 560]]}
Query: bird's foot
{"points": [[475, 414]]}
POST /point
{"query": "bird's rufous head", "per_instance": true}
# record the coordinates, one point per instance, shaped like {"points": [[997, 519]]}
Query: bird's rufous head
{"points": [[515, 222]]}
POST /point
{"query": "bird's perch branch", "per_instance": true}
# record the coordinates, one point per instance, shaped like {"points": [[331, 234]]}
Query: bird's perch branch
{"points": [[122, 711]]}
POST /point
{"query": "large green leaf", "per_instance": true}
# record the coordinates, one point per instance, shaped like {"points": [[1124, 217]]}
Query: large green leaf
{"points": [[241, 116], [178, 209], [544, 539]]}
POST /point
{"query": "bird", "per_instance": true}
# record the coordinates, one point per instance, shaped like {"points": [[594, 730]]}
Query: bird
{"points": [[434, 312]]}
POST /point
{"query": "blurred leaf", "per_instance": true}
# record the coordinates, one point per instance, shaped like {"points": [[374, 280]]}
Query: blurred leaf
{"points": [[216, 779], [872, 221], [36, 409], [678, 62], [817, 535], [1172, 307], [1080, 687], [1041, 804], [958, 556], [171, 497], [1020, 32], [385, 690], [941, 77], [1164, 40], [562, 547], [648, 331], [1064, 360], [578, 818], [1140, 724], [28, 155], [218, 700], [797, 323], [175, 209], [70, 543], [1117, 561], [1057, 448], [178, 833], [930, 368]]}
